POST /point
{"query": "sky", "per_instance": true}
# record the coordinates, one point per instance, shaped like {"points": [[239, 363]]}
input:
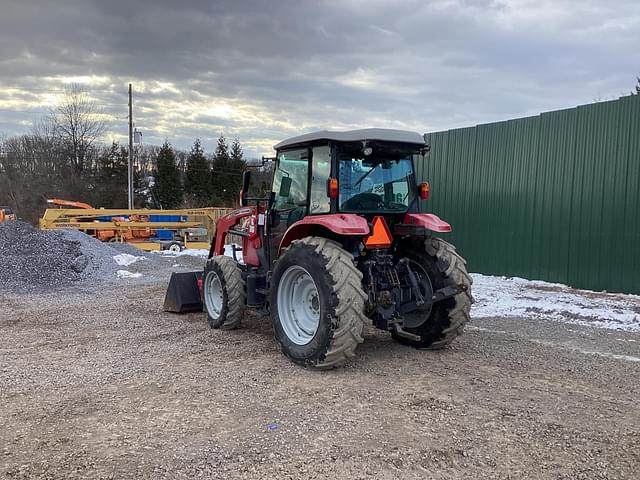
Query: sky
{"points": [[263, 71]]}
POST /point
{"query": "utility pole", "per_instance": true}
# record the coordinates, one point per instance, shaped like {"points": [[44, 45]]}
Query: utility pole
{"points": [[130, 165]]}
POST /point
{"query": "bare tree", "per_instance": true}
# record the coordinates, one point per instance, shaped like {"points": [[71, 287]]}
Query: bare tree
{"points": [[76, 121], [48, 154]]}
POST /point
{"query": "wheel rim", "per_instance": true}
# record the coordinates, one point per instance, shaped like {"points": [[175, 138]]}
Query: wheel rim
{"points": [[298, 305], [213, 297], [174, 248]]}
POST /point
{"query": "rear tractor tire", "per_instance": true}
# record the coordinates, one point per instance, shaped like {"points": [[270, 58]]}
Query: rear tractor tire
{"points": [[317, 303], [447, 318], [223, 292]]}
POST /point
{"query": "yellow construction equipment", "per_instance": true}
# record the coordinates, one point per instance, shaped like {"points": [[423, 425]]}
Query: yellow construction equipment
{"points": [[6, 214], [191, 228]]}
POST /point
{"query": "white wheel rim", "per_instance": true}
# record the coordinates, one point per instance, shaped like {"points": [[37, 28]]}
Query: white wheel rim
{"points": [[174, 248], [298, 305], [213, 298]]}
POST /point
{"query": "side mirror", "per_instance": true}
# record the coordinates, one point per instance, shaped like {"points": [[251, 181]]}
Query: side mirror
{"points": [[285, 187], [246, 178]]}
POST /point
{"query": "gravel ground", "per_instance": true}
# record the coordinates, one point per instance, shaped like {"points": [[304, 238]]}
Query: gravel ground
{"points": [[98, 382]]}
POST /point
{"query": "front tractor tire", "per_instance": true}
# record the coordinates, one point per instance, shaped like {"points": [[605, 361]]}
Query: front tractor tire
{"points": [[447, 318], [223, 293], [317, 303]]}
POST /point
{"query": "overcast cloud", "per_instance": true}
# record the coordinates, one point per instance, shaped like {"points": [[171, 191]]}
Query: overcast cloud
{"points": [[266, 70]]}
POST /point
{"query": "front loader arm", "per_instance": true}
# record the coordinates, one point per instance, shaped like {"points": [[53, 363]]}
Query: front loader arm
{"points": [[223, 225]]}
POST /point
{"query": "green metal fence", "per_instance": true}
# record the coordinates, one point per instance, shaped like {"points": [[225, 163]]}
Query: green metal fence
{"points": [[554, 197]]}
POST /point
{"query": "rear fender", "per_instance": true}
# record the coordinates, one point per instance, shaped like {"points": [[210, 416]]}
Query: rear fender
{"points": [[347, 224], [429, 221]]}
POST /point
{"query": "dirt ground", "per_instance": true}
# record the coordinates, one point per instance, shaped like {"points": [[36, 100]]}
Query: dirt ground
{"points": [[103, 384]]}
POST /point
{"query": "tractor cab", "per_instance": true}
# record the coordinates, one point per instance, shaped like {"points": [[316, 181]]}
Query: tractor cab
{"points": [[368, 172]]}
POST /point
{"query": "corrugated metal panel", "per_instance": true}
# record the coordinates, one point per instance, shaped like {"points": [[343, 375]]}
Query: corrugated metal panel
{"points": [[554, 197]]}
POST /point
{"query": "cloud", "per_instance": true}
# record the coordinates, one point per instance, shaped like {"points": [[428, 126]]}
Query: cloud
{"points": [[265, 70]]}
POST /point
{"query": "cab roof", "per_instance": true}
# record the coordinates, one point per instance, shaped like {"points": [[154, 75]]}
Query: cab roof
{"points": [[377, 134]]}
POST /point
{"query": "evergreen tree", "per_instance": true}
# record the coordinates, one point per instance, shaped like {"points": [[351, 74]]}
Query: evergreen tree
{"points": [[111, 178], [236, 155], [637, 92], [237, 165], [220, 173], [221, 154], [167, 190], [197, 184]]}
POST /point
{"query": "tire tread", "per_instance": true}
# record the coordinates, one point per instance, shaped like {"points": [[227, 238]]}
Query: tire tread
{"points": [[348, 322], [234, 291]]}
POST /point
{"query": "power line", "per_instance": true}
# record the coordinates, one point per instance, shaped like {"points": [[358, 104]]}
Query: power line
{"points": [[56, 90], [40, 104], [89, 91], [22, 111]]}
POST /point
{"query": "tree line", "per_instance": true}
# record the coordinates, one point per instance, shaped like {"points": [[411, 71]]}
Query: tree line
{"points": [[62, 157], [203, 182]]}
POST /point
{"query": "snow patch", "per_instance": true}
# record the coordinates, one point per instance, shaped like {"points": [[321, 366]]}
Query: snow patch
{"points": [[228, 251], [127, 274], [125, 259], [517, 297], [194, 252], [201, 252]]}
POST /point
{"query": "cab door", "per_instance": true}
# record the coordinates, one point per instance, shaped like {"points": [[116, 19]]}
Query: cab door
{"points": [[291, 194]]}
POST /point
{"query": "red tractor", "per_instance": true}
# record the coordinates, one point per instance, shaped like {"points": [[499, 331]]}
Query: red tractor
{"points": [[340, 241]]}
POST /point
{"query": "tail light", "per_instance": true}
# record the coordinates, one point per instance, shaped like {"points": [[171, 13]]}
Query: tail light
{"points": [[332, 188], [424, 190]]}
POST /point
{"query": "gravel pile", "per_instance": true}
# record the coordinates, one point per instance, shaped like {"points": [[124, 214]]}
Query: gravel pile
{"points": [[130, 249], [32, 259]]}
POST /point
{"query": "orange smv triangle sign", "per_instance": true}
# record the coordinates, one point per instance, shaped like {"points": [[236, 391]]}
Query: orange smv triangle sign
{"points": [[380, 235]]}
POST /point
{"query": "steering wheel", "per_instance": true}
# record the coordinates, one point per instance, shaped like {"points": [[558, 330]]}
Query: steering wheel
{"points": [[396, 206], [364, 201]]}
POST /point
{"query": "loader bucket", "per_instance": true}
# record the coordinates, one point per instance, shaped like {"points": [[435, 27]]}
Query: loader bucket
{"points": [[183, 294]]}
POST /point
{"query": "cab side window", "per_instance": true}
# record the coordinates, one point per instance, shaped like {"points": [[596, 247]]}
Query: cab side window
{"points": [[320, 173], [293, 165]]}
